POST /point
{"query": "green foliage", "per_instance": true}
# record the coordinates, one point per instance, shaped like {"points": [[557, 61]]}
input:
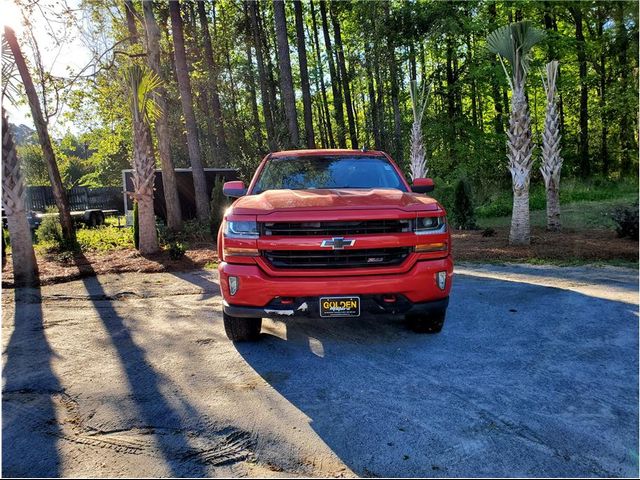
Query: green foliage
{"points": [[177, 250], [626, 219], [192, 232], [219, 204], [570, 191], [514, 43], [105, 238], [136, 226], [463, 211], [50, 230]]}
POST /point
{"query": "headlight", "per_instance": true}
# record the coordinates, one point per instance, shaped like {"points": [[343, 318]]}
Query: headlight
{"points": [[430, 225], [241, 229]]}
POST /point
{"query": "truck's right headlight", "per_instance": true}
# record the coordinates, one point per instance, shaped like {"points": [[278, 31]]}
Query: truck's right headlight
{"points": [[241, 229], [430, 225]]}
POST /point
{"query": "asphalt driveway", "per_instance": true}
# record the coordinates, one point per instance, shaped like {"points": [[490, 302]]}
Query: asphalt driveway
{"points": [[534, 374]]}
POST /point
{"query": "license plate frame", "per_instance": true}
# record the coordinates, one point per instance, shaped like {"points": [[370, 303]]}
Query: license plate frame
{"points": [[340, 306]]}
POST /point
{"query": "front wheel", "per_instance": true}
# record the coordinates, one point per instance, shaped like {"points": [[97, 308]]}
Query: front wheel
{"points": [[431, 323], [242, 329]]}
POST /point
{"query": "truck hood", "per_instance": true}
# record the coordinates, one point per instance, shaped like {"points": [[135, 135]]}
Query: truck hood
{"points": [[333, 199]]}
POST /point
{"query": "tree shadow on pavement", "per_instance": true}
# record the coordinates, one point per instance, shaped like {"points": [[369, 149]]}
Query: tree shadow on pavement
{"points": [[524, 380], [30, 429], [154, 407]]}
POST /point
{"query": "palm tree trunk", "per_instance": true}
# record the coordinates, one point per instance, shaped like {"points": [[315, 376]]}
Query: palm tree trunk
{"points": [[286, 78], [304, 75], [25, 268], [551, 159], [186, 98], [143, 179], [169, 184], [519, 148], [59, 194]]}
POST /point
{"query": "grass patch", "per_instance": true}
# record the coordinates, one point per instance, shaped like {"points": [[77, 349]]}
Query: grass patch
{"points": [[583, 215], [571, 191], [211, 265]]}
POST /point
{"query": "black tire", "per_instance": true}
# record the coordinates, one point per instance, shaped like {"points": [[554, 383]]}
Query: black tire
{"points": [[99, 219], [242, 329], [431, 323]]}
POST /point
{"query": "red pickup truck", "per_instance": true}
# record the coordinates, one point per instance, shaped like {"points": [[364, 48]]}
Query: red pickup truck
{"points": [[332, 233]]}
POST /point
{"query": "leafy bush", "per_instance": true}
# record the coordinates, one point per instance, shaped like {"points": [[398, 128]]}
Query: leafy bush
{"points": [[176, 250], [219, 204], [463, 211], [193, 231], [50, 230], [104, 238], [626, 219]]}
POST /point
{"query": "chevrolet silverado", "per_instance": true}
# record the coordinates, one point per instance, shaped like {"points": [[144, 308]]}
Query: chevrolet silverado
{"points": [[332, 233]]}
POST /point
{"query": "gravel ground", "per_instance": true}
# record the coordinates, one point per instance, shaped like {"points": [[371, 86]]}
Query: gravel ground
{"points": [[534, 374]]}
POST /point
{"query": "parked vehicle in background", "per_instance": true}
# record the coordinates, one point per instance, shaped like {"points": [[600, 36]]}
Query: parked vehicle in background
{"points": [[333, 233]]}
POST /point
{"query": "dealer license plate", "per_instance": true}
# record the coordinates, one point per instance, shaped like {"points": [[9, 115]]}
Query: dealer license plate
{"points": [[340, 306]]}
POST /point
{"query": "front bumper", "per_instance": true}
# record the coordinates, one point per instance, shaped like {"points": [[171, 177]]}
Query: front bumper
{"points": [[258, 290], [310, 307]]}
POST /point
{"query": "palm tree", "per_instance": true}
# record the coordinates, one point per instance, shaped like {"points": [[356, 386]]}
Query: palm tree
{"points": [[514, 42], [142, 84], [25, 268], [419, 101], [551, 159]]}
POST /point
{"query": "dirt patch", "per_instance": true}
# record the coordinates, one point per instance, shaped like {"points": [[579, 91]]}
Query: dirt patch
{"points": [[567, 246], [54, 269]]}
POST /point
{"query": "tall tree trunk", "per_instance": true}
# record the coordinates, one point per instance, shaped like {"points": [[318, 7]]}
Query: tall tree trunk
{"points": [[40, 122], [628, 144], [395, 101], [25, 268], [520, 157], [213, 96], [551, 159], [169, 184], [323, 89], [262, 75], [344, 77], [583, 148], [184, 86], [602, 74], [335, 83], [143, 179], [304, 75], [372, 99], [253, 100], [286, 78]]}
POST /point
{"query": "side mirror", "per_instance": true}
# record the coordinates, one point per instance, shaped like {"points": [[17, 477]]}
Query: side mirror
{"points": [[422, 185], [235, 189]]}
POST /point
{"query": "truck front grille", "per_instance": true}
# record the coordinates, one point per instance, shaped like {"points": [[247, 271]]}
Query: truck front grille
{"points": [[377, 257], [342, 228]]}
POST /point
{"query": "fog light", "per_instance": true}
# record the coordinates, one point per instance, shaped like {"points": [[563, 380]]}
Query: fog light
{"points": [[442, 280], [233, 285]]}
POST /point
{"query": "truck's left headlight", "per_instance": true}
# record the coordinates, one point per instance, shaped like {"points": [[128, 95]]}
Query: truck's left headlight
{"points": [[430, 225], [241, 229]]}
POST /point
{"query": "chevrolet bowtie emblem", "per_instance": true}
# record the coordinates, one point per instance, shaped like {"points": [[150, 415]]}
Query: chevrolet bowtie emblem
{"points": [[338, 243]]}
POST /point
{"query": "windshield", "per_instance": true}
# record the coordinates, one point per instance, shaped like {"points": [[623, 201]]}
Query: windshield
{"points": [[298, 173]]}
